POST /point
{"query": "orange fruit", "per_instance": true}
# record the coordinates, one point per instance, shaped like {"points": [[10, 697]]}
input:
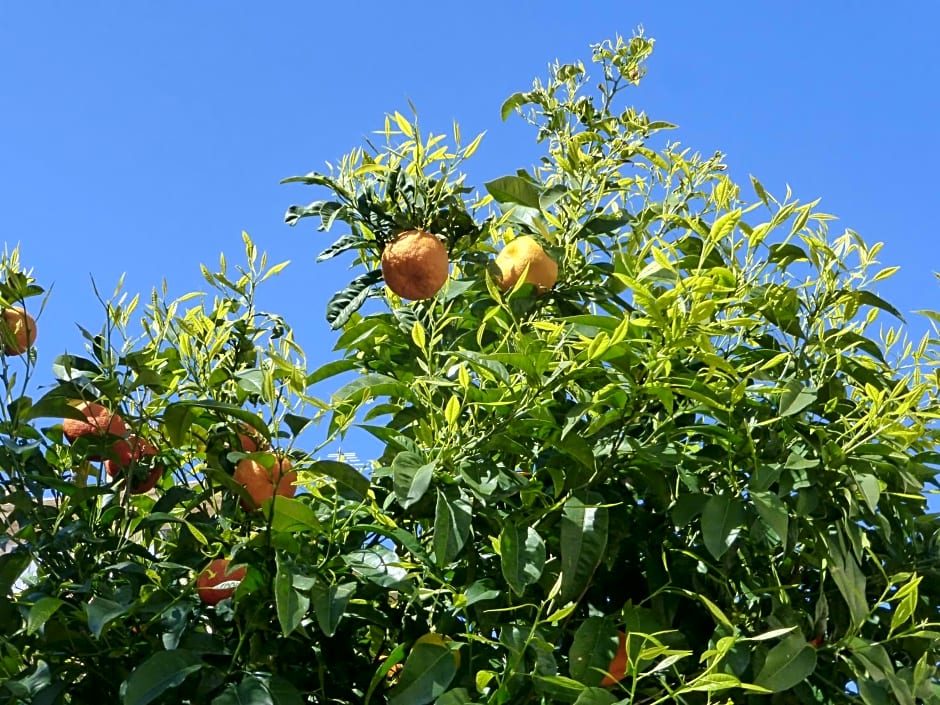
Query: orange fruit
{"points": [[217, 581], [524, 252], [617, 670], [414, 265], [249, 439], [262, 483], [98, 422], [18, 329], [127, 453]]}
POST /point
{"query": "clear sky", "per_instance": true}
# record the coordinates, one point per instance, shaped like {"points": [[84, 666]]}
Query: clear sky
{"points": [[143, 137]]}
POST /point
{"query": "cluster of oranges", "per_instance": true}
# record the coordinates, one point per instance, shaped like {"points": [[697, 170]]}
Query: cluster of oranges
{"points": [[415, 265], [127, 452]]}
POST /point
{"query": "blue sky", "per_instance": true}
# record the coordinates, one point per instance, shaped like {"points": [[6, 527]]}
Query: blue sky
{"points": [[142, 138]]}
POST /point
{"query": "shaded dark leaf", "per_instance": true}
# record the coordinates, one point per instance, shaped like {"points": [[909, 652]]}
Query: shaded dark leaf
{"points": [[346, 302]]}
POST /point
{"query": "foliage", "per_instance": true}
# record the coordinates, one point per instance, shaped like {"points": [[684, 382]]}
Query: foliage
{"points": [[695, 438]]}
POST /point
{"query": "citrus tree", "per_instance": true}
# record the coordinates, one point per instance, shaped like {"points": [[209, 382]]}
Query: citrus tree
{"points": [[646, 436]]}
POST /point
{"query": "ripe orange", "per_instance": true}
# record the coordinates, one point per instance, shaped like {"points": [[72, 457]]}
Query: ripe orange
{"points": [[126, 454], [524, 251], [617, 670], [415, 265], [18, 330], [249, 439], [262, 483], [98, 422], [217, 582]]}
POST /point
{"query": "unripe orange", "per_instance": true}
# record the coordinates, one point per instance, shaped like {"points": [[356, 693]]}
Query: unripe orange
{"points": [[217, 582], [415, 265], [261, 483], [18, 330]]}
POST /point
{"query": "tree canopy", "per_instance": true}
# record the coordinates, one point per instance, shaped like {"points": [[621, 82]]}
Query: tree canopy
{"points": [[690, 470]]}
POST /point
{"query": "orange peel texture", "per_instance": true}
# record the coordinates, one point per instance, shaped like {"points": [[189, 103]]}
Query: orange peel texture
{"points": [[524, 252], [415, 265], [262, 483]]}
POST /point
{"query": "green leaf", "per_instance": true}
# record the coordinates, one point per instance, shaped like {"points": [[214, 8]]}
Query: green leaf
{"points": [[551, 195], [559, 688], [158, 674], [870, 299], [594, 647], [40, 613], [251, 691], [72, 368], [32, 684], [848, 577], [786, 253], [291, 604], [53, 405], [522, 554], [330, 369], [452, 518], [583, 542], [282, 692], [368, 386], [251, 382], [773, 513], [99, 612], [346, 475], [457, 696], [329, 604], [722, 519], [787, 664], [686, 508], [795, 398], [296, 423], [516, 100], [377, 564], [292, 514], [907, 598], [345, 303], [724, 225], [874, 693], [514, 189], [604, 224], [713, 682], [595, 696], [349, 241], [870, 488], [428, 672], [327, 210], [179, 416], [847, 339], [12, 566], [411, 477]]}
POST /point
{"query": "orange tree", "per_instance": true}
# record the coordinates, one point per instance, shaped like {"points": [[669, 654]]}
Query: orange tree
{"points": [[669, 461]]}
